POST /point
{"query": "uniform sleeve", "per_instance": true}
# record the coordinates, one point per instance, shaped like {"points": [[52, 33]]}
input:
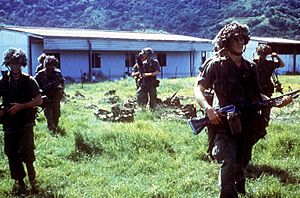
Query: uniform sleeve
{"points": [[134, 68], [35, 89], [157, 66], [207, 76], [273, 65]]}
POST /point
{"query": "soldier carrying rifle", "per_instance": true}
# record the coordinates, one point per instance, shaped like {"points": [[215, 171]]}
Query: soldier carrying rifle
{"points": [[20, 94], [51, 83], [234, 82], [145, 71], [265, 70]]}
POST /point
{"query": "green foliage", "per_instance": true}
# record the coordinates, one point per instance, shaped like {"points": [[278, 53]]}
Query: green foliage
{"points": [[194, 17], [154, 156]]}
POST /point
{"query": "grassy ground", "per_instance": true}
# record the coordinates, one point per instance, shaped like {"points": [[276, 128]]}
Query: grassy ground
{"points": [[154, 156]]}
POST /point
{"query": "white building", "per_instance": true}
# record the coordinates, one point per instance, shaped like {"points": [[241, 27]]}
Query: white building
{"points": [[108, 54]]}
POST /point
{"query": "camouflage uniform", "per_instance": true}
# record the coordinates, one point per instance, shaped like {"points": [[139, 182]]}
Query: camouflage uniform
{"points": [[237, 86], [52, 84], [265, 69], [146, 87], [18, 128]]}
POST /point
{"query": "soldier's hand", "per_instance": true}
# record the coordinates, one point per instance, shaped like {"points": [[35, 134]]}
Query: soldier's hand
{"points": [[213, 116], [15, 107]]}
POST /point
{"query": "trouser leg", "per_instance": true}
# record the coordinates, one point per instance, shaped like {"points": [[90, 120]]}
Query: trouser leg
{"points": [[224, 151], [56, 113], [153, 97], [12, 151], [48, 111], [142, 97]]}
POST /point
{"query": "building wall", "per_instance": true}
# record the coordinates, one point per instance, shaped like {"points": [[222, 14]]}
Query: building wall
{"points": [[36, 51], [73, 63], [10, 39], [178, 65], [112, 65]]}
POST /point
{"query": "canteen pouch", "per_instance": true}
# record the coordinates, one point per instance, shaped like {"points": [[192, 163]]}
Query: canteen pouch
{"points": [[234, 122]]}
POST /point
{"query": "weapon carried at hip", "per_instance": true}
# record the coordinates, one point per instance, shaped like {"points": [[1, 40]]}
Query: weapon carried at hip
{"points": [[198, 124]]}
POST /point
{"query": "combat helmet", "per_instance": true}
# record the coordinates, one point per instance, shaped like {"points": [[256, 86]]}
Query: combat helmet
{"points": [[229, 31], [14, 56], [263, 49], [147, 51], [51, 61], [41, 58]]}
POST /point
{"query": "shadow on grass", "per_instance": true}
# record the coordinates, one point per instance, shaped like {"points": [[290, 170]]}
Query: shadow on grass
{"points": [[42, 193], [255, 172]]}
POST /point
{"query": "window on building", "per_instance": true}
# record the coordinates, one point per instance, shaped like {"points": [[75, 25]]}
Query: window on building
{"points": [[162, 59], [203, 56], [96, 60], [56, 55], [129, 59]]}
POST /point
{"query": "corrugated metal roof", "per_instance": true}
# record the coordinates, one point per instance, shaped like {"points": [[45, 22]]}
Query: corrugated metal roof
{"points": [[274, 40], [93, 33]]}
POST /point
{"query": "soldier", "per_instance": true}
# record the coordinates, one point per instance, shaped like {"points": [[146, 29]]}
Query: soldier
{"points": [[51, 83], [234, 81], [265, 70], [41, 59], [145, 71], [20, 94]]}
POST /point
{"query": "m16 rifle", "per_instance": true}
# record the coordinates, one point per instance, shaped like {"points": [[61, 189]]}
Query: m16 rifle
{"points": [[277, 84], [198, 124]]}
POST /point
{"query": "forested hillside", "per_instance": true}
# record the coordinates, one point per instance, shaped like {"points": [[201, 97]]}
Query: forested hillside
{"points": [[200, 18]]}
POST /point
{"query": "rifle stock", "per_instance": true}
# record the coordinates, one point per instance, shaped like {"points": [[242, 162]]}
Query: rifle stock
{"points": [[198, 124]]}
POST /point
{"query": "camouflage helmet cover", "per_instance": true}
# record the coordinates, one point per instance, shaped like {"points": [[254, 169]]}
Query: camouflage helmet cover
{"points": [[51, 61], [263, 49], [14, 56], [147, 51], [229, 31], [41, 58]]}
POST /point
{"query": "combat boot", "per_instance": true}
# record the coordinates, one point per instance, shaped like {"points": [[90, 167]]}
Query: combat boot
{"points": [[34, 188], [19, 187]]}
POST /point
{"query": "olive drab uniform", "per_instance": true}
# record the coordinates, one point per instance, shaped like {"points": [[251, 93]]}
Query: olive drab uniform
{"points": [[147, 85], [18, 128], [264, 71], [52, 85], [237, 86]]}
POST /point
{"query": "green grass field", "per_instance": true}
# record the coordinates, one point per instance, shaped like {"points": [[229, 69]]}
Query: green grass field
{"points": [[154, 156]]}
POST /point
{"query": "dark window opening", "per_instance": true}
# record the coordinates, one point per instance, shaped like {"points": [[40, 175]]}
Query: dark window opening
{"points": [[96, 60], [129, 59], [162, 59], [56, 55]]}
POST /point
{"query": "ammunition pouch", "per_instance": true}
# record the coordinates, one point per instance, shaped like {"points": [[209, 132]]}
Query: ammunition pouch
{"points": [[234, 122]]}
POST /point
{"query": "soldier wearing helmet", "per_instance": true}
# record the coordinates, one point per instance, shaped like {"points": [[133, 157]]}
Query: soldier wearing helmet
{"points": [[145, 71], [51, 83], [266, 71], [233, 80], [41, 59], [20, 95], [265, 68]]}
